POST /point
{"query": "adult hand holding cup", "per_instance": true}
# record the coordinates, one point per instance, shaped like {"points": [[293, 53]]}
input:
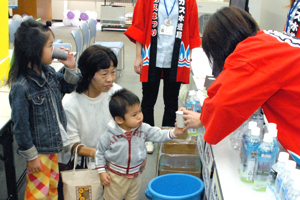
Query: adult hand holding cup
{"points": [[60, 54]]}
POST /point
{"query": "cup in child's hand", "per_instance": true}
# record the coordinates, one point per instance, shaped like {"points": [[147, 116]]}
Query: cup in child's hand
{"points": [[59, 54], [179, 119]]}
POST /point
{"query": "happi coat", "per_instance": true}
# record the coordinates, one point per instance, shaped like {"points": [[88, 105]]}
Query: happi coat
{"points": [[144, 29]]}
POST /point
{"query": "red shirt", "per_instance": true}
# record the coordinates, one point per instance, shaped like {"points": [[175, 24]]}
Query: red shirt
{"points": [[263, 70]]}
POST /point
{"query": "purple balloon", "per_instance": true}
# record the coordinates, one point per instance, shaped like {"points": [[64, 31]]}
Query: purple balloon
{"points": [[70, 15], [84, 16], [24, 15]]}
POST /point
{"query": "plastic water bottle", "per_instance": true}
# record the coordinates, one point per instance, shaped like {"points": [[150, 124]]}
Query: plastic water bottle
{"points": [[273, 131], [294, 194], [193, 104], [243, 156], [275, 170], [288, 183], [236, 136], [252, 145], [263, 163], [289, 166], [258, 117]]}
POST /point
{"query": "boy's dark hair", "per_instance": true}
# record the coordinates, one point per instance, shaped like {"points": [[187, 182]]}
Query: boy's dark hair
{"points": [[30, 39], [93, 59], [223, 31], [120, 101]]}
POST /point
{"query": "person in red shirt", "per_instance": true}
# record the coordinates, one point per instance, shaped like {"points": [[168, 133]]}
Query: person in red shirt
{"points": [[254, 68]]}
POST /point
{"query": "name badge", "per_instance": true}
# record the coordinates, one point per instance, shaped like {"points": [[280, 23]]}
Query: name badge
{"points": [[166, 30]]}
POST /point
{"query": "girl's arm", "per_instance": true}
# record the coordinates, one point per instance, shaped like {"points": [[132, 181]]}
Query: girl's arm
{"points": [[70, 78], [20, 117]]}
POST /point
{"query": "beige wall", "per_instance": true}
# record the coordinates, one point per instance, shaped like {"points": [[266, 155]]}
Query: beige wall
{"points": [[269, 14]]}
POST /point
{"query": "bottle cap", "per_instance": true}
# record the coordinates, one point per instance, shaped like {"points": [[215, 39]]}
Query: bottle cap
{"points": [[268, 138], [252, 124], [272, 126], [290, 165], [273, 132], [255, 131], [192, 92], [283, 157]]}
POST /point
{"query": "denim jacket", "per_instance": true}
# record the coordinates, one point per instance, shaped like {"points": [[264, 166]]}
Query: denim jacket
{"points": [[35, 123]]}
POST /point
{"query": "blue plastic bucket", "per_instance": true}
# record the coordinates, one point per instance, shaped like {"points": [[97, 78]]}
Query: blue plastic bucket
{"points": [[175, 186]]}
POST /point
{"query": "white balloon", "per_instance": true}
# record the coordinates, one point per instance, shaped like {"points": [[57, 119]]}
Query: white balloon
{"points": [[77, 13], [17, 17], [67, 21], [88, 13], [66, 13], [93, 15], [74, 22]]}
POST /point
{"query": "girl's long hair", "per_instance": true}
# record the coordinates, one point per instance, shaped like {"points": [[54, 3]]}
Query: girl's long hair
{"points": [[30, 40], [223, 31]]}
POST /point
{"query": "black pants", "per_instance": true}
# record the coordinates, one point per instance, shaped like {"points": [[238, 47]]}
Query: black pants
{"points": [[170, 96]]}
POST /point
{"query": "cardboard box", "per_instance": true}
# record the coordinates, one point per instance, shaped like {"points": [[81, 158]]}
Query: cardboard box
{"points": [[179, 146], [179, 156], [197, 174]]}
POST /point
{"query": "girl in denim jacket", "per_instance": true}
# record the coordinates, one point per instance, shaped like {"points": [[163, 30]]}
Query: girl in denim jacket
{"points": [[37, 112]]}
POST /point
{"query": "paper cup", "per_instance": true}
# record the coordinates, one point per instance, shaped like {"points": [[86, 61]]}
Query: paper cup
{"points": [[59, 54], [179, 119]]}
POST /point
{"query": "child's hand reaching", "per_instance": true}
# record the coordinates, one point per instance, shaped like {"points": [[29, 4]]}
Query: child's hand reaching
{"points": [[178, 131], [105, 179]]}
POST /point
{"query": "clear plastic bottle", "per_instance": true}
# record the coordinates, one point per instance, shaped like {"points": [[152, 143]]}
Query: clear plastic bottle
{"points": [[272, 129], [287, 184], [294, 194], [236, 136], [252, 145], [193, 104], [275, 170], [263, 164], [289, 166], [258, 117], [243, 156]]}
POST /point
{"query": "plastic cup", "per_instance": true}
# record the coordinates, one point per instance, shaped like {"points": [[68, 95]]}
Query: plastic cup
{"points": [[179, 119], [59, 54]]}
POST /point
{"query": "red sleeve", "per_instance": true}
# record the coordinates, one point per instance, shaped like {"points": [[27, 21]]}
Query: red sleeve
{"points": [[234, 96], [136, 32], [195, 40]]}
